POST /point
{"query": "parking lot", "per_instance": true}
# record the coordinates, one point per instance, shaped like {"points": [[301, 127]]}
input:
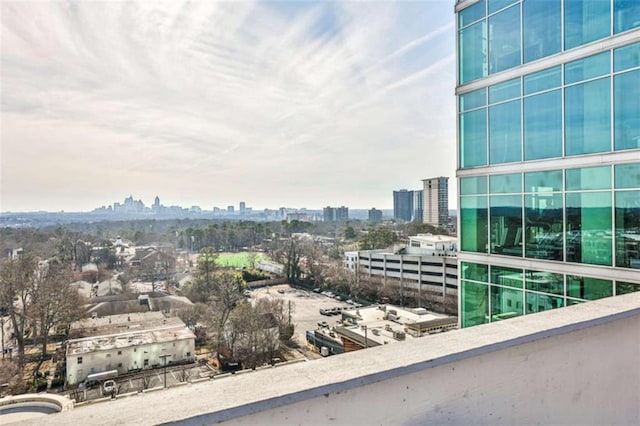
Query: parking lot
{"points": [[306, 305]]}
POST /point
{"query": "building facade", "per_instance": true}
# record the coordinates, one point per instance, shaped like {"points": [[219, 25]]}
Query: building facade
{"points": [[425, 272], [403, 204], [418, 206], [375, 215], [548, 154], [125, 343], [436, 201]]}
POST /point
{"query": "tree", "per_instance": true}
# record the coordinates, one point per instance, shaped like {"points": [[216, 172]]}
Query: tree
{"points": [[201, 288], [17, 287], [292, 260], [54, 300], [10, 378], [377, 239], [226, 294]]}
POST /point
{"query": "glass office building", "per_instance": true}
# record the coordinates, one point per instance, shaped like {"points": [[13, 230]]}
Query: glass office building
{"points": [[548, 154]]}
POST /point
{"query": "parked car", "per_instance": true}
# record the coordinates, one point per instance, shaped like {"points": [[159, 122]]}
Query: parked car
{"points": [[109, 387], [323, 324], [324, 312], [316, 290]]}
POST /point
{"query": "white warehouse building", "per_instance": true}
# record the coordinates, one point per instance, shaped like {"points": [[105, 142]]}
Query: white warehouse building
{"points": [[128, 342]]}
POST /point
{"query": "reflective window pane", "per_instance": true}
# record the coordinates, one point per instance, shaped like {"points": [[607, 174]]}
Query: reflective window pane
{"points": [[473, 52], [506, 225], [506, 184], [509, 277], [473, 100], [588, 178], [473, 224], [543, 126], [505, 136], [473, 138], [626, 57], [495, 5], [542, 80], [544, 232], [628, 229], [589, 227], [588, 117], [587, 68], [626, 15], [546, 282], [627, 175], [475, 271], [473, 185], [506, 303], [472, 13], [475, 303], [585, 21], [541, 302], [542, 33], [588, 288], [627, 110], [504, 40], [504, 91], [547, 181], [626, 288]]}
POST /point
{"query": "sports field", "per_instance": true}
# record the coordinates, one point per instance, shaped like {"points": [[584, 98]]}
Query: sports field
{"points": [[238, 260]]}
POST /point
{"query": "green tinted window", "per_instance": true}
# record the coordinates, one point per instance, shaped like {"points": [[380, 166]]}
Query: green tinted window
{"points": [[473, 138], [588, 288], [505, 133], [588, 227], [473, 100], [626, 110], [541, 302], [505, 184], [473, 185], [587, 68], [627, 175], [475, 303], [626, 57], [475, 271], [588, 178], [543, 181], [474, 224], [587, 117], [472, 13], [504, 91], [543, 80], [543, 126], [508, 277], [506, 303], [626, 288], [506, 225], [544, 234], [627, 218], [545, 282]]}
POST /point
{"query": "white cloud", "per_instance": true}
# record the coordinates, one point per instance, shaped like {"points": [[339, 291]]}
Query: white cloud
{"points": [[211, 102]]}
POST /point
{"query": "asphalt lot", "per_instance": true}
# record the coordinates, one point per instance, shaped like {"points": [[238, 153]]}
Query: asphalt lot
{"points": [[306, 305]]}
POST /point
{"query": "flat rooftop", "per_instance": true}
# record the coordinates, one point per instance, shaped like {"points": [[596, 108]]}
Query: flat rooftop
{"points": [[432, 374], [121, 331], [383, 322]]}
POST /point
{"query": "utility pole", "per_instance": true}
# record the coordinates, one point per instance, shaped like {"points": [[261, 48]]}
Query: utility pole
{"points": [[164, 358]]}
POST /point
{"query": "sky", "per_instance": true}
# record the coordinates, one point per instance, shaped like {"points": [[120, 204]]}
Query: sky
{"points": [[296, 104]]}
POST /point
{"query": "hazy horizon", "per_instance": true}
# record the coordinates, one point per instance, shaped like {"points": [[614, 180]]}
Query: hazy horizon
{"points": [[276, 104]]}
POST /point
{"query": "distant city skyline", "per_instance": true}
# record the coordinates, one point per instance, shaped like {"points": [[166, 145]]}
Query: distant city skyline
{"points": [[212, 103]]}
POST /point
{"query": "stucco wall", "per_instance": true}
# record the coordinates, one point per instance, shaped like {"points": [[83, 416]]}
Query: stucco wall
{"points": [[590, 376]]}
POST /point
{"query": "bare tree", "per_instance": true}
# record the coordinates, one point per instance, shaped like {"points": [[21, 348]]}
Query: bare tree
{"points": [[54, 301], [17, 287]]}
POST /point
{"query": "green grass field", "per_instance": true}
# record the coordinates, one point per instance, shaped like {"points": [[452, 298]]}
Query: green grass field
{"points": [[238, 260]]}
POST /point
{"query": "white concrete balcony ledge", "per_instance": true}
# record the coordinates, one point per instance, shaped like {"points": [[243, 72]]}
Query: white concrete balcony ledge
{"points": [[577, 365]]}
